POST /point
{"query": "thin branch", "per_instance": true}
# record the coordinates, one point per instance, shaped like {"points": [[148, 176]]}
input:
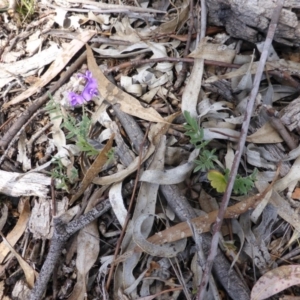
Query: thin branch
{"points": [[237, 158], [62, 232], [203, 19], [136, 63]]}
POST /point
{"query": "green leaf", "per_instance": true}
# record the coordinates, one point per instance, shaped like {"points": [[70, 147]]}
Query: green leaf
{"points": [[242, 185], [217, 180]]}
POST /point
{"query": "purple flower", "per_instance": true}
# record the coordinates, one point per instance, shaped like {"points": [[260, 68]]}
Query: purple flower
{"points": [[90, 90], [75, 99]]}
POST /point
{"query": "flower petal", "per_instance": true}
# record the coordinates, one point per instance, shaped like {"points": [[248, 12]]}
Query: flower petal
{"points": [[89, 92], [91, 86], [75, 99]]}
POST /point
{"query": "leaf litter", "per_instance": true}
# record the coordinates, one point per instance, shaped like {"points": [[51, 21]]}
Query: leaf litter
{"points": [[100, 171]]}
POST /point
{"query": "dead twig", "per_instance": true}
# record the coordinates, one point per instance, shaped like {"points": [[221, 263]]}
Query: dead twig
{"points": [[237, 158], [203, 19], [136, 63], [62, 232]]}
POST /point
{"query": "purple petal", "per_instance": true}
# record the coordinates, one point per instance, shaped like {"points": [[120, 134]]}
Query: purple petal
{"points": [[91, 86], [75, 99], [89, 92], [88, 76]]}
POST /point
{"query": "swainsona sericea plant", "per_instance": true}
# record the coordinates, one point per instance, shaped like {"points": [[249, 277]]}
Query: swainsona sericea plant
{"points": [[90, 90]]}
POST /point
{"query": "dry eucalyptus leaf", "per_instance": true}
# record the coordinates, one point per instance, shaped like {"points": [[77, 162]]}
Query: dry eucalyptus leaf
{"points": [[192, 88], [178, 21], [265, 135], [171, 176], [145, 204], [115, 95], [165, 250], [17, 231], [117, 202], [105, 180], [30, 273], [88, 248], [276, 281], [94, 169]]}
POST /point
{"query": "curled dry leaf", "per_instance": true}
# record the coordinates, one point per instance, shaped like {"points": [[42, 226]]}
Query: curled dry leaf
{"points": [[145, 204], [172, 176], [166, 250]]}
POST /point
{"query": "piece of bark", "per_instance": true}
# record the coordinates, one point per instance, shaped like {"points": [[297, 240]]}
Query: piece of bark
{"points": [[221, 87], [290, 115], [18, 184], [131, 127], [62, 232], [249, 20]]}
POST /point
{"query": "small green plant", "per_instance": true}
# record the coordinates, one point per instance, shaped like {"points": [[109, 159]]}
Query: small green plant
{"points": [[26, 9], [207, 158], [78, 130], [62, 179], [53, 108], [110, 156], [242, 185]]}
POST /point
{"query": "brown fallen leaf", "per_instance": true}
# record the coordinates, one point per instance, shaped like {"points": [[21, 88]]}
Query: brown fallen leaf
{"points": [[296, 194], [113, 94], [17, 232], [265, 135], [93, 170]]}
